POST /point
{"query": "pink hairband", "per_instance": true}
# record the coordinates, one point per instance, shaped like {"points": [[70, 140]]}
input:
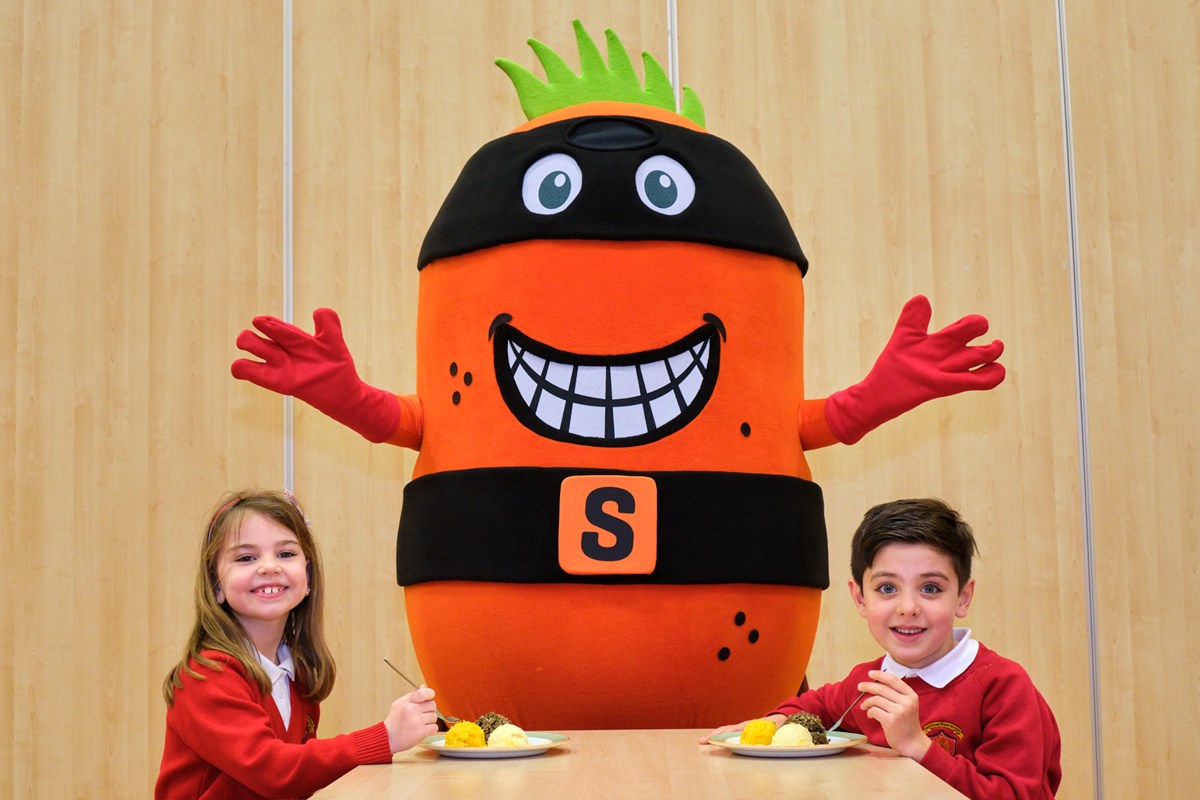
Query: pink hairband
{"points": [[286, 492], [212, 525], [296, 505]]}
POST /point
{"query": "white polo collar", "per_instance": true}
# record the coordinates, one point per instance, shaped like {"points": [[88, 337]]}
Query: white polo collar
{"points": [[285, 668], [946, 668]]}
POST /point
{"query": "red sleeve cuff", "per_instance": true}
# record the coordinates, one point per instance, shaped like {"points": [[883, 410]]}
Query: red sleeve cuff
{"points": [[937, 761], [371, 745]]}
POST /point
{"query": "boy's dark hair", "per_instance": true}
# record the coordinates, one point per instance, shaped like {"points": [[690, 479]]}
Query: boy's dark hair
{"points": [[927, 521]]}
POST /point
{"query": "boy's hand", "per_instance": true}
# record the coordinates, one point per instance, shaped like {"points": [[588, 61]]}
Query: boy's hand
{"points": [[894, 704], [410, 719]]}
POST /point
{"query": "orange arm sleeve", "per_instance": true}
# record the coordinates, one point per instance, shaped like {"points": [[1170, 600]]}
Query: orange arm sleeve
{"points": [[411, 429], [814, 429]]}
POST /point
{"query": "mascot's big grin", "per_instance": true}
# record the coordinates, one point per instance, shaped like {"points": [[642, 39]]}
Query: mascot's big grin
{"points": [[606, 401]]}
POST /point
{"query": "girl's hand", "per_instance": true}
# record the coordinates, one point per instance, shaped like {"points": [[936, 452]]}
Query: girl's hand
{"points": [[894, 704], [778, 719], [410, 719]]}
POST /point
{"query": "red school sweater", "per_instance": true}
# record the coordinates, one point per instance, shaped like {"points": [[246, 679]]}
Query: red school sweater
{"points": [[225, 739], [994, 736]]}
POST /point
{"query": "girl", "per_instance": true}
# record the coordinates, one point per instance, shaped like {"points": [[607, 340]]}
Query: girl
{"points": [[243, 704]]}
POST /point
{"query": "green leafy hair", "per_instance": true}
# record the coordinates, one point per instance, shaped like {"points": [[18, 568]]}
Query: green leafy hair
{"points": [[595, 81]]}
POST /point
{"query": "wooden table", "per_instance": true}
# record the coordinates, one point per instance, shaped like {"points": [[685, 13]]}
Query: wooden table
{"points": [[640, 763]]}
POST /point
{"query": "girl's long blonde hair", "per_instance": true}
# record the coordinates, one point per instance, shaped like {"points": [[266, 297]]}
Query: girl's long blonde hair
{"points": [[216, 627]]}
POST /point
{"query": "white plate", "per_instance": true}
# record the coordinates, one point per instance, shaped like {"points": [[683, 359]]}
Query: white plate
{"points": [[837, 743], [539, 742]]}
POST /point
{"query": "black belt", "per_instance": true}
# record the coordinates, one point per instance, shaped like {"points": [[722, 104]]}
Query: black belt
{"points": [[501, 524]]}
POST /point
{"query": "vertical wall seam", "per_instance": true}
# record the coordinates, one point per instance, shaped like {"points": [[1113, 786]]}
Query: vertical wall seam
{"points": [[1089, 562], [288, 431]]}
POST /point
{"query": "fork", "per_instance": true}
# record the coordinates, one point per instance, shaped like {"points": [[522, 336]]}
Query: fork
{"points": [[835, 725], [447, 720]]}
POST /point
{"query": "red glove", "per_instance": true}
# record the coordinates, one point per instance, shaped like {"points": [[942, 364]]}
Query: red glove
{"points": [[318, 369], [916, 366]]}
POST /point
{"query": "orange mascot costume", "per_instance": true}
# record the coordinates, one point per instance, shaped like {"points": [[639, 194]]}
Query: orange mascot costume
{"points": [[611, 523]]}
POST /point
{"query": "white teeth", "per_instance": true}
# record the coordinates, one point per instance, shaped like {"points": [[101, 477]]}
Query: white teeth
{"points": [[271, 590], [665, 408], [587, 420], [550, 410], [655, 375], [624, 382], [611, 402], [631, 419], [679, 363], [591, 382], [559, 374]]}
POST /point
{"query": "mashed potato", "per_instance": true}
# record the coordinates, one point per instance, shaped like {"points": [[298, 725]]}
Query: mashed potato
{"points": [[792, 735], [507, 735]]}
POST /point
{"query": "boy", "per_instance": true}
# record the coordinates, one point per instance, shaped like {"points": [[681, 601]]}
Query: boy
{"points": [[939, 697]]}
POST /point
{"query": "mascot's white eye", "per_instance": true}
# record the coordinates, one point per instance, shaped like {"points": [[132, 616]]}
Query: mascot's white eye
{"points": [[551, 184], [664, 185]]}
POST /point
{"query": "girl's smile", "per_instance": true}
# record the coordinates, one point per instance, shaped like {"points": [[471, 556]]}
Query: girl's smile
{"points": [[272, 592]]}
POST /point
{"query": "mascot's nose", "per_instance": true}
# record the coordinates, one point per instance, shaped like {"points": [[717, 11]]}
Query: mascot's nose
{"points": [[611, 133]]}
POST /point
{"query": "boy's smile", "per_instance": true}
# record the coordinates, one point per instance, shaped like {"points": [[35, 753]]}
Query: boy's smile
{"points": [[910, 598]]}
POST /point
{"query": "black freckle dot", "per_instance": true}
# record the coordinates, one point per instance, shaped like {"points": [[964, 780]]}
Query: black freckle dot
{"points": [[467, 378], [739, 619], [453, 368], [745, 429], [455, 398], [723, 654], [753, 637]]}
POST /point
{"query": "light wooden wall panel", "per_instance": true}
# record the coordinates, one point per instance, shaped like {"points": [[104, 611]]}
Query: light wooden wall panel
{"points": [[918, 149], [1135, 92], [390, 101], [139, 155]]}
